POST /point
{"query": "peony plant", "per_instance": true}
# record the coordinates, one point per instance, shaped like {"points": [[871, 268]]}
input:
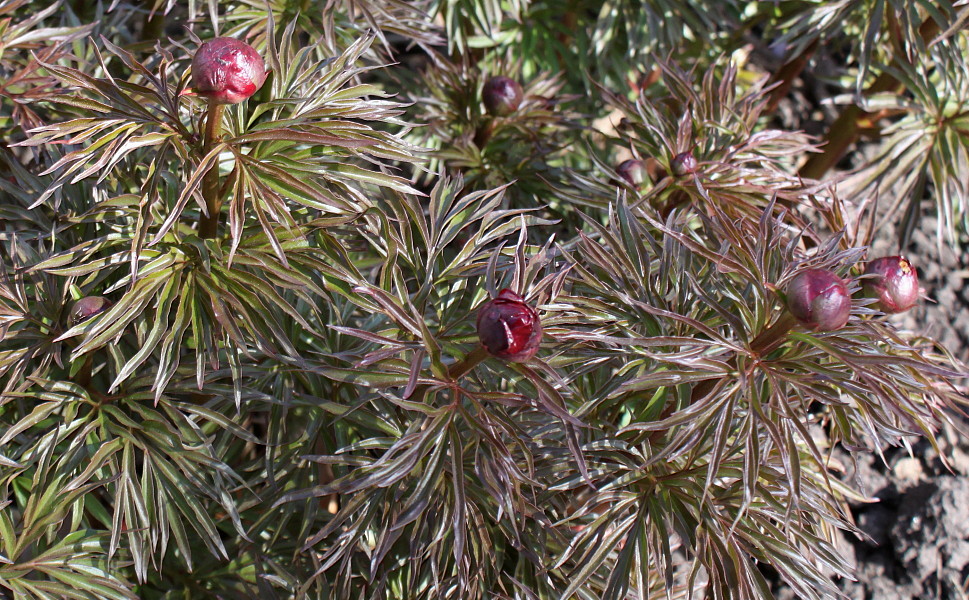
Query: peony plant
{"points": [[819, 299], [508, 328], [893, 281], [352, 300]]}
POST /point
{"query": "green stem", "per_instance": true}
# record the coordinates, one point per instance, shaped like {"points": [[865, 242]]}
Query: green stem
{"points": [[845, 130], [209, 224], [456, 371], [470, 361], [765, 341]]}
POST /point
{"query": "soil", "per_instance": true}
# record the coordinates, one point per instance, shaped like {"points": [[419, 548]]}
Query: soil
{"points": [[915, 542], [916, 532]]}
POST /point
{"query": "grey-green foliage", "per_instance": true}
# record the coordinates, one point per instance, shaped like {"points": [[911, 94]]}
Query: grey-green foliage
{"points": [[298, 407]]}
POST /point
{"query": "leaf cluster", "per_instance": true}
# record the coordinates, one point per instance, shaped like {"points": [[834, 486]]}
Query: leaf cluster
{"points": [[298, 406]]}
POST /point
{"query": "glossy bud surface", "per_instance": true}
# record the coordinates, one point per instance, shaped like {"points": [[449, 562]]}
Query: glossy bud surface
{"points": [[508, 328], [893, 282], [87, 307], [633, 171], [227, 71], [819, 299], [502, 96], [683, 163]]}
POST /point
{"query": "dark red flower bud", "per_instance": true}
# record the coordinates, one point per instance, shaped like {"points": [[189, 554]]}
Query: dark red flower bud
{"points": [[227, 71], [633, 171], [508, 328], [819, 300], [893, 282], [87, 307], [501, 96], [683, 163]]}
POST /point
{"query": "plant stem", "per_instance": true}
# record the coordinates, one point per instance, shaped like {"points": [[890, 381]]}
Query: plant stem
{"points": [[786, 75], [765, 341], [483, 133], [455, 372], [769, 338], [470, 361], [83, 375], [209, 223], [844, 131]]}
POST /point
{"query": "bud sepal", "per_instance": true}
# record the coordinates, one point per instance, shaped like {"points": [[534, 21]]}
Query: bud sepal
{"points": [[893, 281], [508, 328], [227, 71], [819, 300]]}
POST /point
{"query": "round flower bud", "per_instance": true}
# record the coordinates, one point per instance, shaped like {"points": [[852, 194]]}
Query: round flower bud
{"points": [[508, 328], [633, 171], [87, 307], [893, 282], [683, 163], [501, 96], [819, 300], [227, 71]]}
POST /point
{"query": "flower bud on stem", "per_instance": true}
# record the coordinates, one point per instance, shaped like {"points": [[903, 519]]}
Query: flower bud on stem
{"points": [[815, 298], [766, 341], [470, 361], [455, 371], [508, 329]]}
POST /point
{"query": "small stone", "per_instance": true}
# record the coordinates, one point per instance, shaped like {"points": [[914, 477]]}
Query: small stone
{"points": [[909, 470]]}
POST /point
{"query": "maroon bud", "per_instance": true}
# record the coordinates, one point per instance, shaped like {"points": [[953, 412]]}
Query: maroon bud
{"points": [[501, 96], [508, 328], [893, 282], [683, 163], [87, 307], [819, 300], [633, 171], [227, 71]]}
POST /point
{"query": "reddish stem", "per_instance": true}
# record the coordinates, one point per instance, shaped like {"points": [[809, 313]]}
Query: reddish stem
{"points": [[786, 75], [209, 223], [470, 361], [483, 133], [766, 341], [845, 129]]}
